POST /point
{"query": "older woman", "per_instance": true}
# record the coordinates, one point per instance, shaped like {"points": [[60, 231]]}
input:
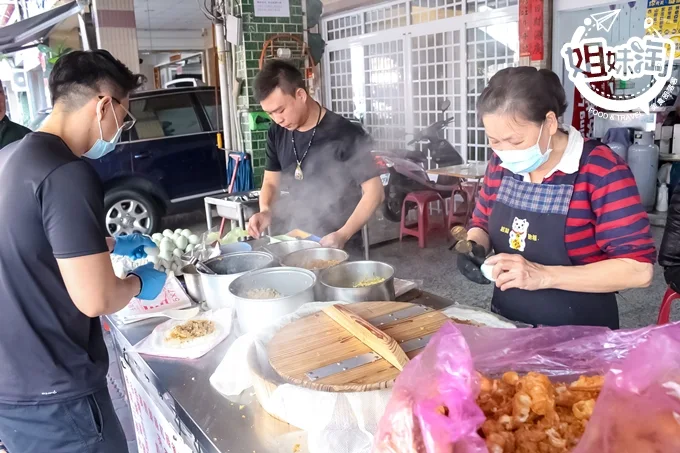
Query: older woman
{"points": [[562, 213]]}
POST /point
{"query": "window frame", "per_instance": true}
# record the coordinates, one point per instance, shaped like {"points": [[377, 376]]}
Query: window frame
{"points": [[198, 110]]}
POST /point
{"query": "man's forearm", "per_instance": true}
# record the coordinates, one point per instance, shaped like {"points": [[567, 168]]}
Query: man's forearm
{"points": [[124, 290], [370, 201], [268, 195]]}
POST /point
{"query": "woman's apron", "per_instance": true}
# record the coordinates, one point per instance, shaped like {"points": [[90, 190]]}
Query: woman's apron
{"points": [[530, 219]]}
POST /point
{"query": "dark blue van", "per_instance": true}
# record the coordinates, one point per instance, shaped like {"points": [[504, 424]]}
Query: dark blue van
{"points": [[167, 163]]}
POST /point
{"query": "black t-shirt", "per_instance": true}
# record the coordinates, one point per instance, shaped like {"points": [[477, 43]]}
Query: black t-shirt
{"points": [[338, 162], [51, 206]]}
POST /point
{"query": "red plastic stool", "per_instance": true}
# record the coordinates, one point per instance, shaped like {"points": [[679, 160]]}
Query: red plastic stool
{"points": [[422, 199], [665, 310], [461, 216]]}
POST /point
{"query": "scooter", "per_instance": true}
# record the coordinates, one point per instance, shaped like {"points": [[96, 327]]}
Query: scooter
{"points": [[403, 171]]}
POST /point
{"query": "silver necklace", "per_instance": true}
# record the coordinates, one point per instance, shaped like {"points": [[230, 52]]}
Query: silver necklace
{"points": [[298, 169]]}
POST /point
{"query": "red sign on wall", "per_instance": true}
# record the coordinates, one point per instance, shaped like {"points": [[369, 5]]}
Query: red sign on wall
{"points": [[531, 29]]}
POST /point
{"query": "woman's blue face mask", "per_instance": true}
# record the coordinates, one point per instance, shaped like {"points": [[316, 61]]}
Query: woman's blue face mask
{"points": [[524, 160]]}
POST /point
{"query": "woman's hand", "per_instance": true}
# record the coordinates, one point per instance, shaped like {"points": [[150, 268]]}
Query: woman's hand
{"points": [[513, 271]]}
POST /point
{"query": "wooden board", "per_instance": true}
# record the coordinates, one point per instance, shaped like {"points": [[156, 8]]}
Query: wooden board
{"points": [[317, 341]]}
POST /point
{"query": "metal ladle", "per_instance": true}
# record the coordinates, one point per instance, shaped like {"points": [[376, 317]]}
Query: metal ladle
{"points": [[203, 268]]}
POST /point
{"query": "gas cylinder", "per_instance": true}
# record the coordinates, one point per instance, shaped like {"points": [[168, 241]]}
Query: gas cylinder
{"points": [[620, 149], [643, 159]]}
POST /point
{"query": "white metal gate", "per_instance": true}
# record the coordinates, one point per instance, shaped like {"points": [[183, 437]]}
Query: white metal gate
{"points": [[394, 64]]}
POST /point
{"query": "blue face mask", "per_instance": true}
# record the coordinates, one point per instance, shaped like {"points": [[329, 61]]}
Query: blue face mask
{"points": [[101, 147], [524, 160]]}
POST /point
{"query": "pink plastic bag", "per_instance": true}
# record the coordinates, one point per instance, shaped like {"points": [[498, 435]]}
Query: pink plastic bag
{"points": [[639, 407], [441, 377], [643, 383]]}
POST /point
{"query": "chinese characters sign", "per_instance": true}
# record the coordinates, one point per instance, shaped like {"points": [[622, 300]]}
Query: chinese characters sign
{"points": [[154, 433], [272, 8], [531, 29], [635, 59], [589, 60], [664, 16], [663, 19]]}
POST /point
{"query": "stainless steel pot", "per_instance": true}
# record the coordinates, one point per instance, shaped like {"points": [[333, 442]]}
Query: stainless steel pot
{"points": [[227, 268], [296, 286], [193, 281], [282, 249], [302, 258], [337, 283]]}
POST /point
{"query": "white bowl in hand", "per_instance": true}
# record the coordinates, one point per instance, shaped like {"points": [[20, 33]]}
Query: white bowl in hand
{"points": [[487, 271]]}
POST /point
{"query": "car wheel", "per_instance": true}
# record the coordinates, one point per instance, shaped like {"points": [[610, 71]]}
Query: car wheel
{"points": [[128, 212]]}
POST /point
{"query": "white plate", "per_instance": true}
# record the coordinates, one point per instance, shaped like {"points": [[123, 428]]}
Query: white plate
{"points": [[487, 270]]}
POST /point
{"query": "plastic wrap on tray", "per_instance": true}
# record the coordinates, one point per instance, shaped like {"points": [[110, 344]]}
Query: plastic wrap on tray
{"points": [[433, 405]]}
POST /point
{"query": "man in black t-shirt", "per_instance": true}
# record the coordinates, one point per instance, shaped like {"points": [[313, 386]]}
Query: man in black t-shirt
{"points": [[56, 275], [321, 159]]}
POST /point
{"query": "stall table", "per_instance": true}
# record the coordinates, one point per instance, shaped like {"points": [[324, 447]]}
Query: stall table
{"points": [[228, 206], [206, 420]]}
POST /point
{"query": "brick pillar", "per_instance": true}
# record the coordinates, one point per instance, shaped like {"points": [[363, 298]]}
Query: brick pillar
{"points": [[256, 30], [116, 29]]}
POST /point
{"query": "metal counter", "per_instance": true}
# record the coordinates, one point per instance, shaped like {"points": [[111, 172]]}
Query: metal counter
{"points": [[206, 420]]}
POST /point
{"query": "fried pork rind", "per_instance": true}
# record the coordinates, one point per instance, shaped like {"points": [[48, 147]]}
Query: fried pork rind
{"points": [[540, 391], [588, 384], [583, 409], [530, 414]]}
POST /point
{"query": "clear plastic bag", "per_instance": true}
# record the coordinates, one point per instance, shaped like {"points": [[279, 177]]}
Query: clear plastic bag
{"points": [[638, 409], [564, 352], [433, 407]]}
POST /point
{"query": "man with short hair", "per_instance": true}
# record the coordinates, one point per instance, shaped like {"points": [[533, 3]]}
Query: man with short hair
{"points": [[9, 131], [321, 159], [56, 275]]}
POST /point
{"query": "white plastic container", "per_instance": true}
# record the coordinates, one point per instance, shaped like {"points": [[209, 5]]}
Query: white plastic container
{"points": [[662, 198]]}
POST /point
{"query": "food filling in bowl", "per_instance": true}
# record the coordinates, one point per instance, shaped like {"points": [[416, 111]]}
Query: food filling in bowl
{"points": [[263, 293], [368, 282], [191, 330], [315, 265]]}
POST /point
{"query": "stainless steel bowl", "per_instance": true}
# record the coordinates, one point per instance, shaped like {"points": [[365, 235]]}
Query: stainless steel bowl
{"points": [[227, 268], [193, 281], [302, 258], [337, 283], [282, 249], [296, 286]]}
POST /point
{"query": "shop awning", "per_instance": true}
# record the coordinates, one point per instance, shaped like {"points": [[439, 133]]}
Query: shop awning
{"points": [[29, 32]]}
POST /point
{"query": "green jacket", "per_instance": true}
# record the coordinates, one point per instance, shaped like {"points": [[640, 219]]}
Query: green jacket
{"points": [[11, 132]]}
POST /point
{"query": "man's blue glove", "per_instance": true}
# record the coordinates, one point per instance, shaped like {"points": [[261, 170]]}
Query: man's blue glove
{"points": [[152, 281], [132, 245]]}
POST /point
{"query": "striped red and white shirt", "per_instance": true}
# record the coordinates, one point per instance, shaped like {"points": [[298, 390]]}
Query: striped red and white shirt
{"points": [[606, 218]]}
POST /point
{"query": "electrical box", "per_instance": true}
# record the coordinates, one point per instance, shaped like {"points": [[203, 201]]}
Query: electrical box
{"points": [[233, 26], [259, 121]]}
